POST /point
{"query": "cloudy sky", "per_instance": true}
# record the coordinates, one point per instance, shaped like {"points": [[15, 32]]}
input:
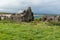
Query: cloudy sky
{"points": [[38, 6]]}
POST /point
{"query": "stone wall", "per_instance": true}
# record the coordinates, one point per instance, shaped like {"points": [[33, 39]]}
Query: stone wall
{"points": [[5, 16], [54, 18]]}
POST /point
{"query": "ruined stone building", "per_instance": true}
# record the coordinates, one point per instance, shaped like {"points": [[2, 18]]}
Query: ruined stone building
{"points": [[24, 16]]}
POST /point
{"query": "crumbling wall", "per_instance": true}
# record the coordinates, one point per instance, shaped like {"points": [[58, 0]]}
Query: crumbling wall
{"points": [[54, 18]]}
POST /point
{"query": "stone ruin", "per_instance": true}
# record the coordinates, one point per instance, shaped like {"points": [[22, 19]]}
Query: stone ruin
{"points": [[25, 16]]}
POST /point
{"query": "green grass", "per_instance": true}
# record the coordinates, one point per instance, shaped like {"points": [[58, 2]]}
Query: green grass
{"points": [[29, 31]]}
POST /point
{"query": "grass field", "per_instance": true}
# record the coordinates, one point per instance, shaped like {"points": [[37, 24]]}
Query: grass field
{"points": [[29, 31]]}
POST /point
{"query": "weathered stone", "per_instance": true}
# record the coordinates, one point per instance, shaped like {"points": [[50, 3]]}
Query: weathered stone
{"points": [[5, 16], [25, 16], [51, 18]]}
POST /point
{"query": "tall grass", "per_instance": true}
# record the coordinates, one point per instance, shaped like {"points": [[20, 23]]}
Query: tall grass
{"points": [[29, 31]]}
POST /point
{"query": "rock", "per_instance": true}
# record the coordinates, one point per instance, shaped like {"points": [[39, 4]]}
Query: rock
{"points": [[25, 16]]}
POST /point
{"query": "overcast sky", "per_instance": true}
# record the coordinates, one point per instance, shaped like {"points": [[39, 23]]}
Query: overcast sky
{"points": [[38, 6]]}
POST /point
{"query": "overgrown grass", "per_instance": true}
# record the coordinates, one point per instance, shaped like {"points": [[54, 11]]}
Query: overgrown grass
{"points": [[29, 31]]}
